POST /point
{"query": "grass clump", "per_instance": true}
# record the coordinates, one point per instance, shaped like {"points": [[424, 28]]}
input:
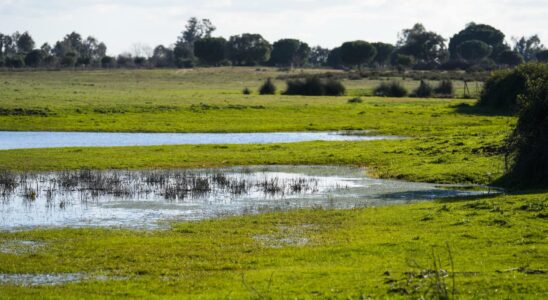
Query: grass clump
{"points": [[268, 88], [444, 89], [424, 90], [246, 91], [355, 100], [391, 89], [314, 86]]}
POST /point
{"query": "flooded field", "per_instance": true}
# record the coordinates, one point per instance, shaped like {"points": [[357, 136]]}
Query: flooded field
{"points": [[143, 199], [28, 140]]}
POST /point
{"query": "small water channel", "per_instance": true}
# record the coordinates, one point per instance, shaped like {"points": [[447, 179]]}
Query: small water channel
{"points": [[144, 199], [42, 139]]}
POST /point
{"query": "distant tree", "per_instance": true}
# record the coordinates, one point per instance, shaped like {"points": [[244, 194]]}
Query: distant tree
{"points": [[210, 50], [480, 32], [71, 43], [403, 61], [384, 51], [162, 57], [108, 62], [542, 56], [510, 58], [46, 48], [69, 59], [141, 50], [183, 52], [125, 60], [318, 56], [528, 47], [425, 46], [334, 59], [34, 58], [357, 53], [92, 51], [474, 51], [14, 61], [289, 52], [10, 48], [248, 49], [25, 43]]}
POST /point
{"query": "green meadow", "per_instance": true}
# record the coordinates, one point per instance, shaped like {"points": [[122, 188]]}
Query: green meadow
{"points": [[487, 247]]}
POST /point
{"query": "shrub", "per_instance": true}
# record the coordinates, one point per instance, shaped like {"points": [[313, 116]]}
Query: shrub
{"points": [[424, 90], [445, 89], [334, 88], [502, 88], [246, 91], [527, 147], [392, 89], [268, 88], [314, 86], [355, 100]]}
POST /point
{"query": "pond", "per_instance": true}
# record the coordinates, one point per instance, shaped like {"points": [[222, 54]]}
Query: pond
{"points": [[146, 199], [42, 139]]}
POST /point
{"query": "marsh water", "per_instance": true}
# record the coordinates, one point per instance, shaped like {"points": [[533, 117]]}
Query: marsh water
{"points": [[145, 199], [42, 139]]}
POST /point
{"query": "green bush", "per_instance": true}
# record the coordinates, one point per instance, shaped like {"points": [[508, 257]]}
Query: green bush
{"points": [[314, 86], [502, 88], [246, 91], [268, 88], [424, 90], [527, 146], [392, 89], [444, 89]]}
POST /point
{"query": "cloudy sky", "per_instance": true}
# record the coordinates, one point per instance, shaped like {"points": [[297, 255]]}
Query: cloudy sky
{"points": [[122, 23]]}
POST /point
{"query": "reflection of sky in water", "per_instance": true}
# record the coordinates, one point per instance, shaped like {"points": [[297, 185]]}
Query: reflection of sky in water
{"points": [[24, 140], [145, 205]]}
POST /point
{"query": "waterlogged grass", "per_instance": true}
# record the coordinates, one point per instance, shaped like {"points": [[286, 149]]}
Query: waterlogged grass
{"points": [[498, 249], [459, 161], [498, 244]]}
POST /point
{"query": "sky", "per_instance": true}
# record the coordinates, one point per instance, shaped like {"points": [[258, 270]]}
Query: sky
{"points": [[328, 23]]}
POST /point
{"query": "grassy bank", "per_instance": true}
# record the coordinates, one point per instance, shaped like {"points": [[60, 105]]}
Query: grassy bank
{"points": [[498, 249]]}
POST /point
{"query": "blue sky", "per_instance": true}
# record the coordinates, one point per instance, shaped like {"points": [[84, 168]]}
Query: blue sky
{"points": [[123, 23]]}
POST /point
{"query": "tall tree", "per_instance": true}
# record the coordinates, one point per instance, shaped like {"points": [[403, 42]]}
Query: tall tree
{"points": [[318, 56], [334, 58], [481, 32], [248, 49], [425, 46], [528, 47], [474, 51], [289, 52], [384, 52], [210, 50], [357, 53], [162, 57], [25, 43]]}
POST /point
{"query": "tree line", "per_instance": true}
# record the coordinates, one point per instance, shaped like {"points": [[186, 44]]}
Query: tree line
{"points": [[476, 47]]}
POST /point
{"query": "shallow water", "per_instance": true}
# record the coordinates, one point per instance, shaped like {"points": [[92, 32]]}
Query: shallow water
{"points": [[144, 199], [29, 140]]}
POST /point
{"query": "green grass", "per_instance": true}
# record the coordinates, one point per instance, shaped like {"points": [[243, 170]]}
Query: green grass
{"points": [[307, 254], [494, 241]]}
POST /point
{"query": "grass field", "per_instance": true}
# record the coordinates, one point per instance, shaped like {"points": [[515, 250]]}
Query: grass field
{"points": [[498, 244]]}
